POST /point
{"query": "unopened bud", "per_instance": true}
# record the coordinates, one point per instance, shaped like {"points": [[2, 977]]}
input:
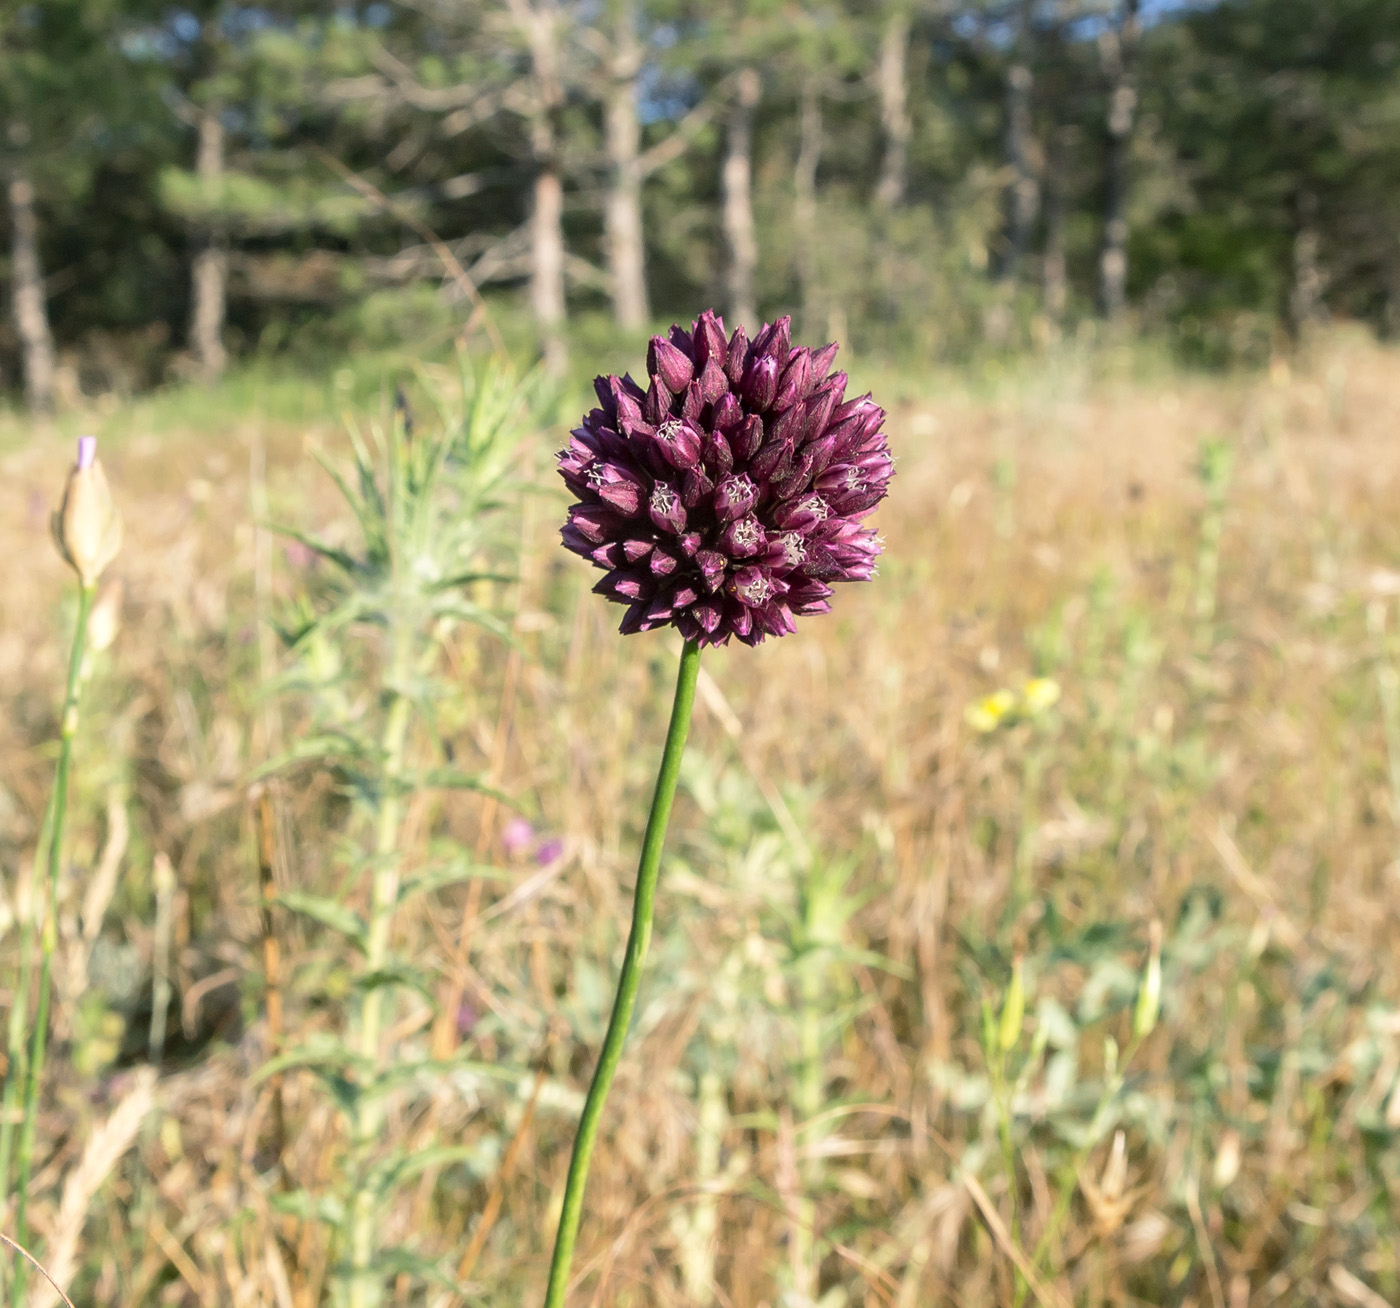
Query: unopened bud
{"points": [[1149, 1000], [1013, 1011], [87, 527]]}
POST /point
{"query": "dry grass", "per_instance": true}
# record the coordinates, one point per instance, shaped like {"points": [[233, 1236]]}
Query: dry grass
{"points": [[1227, 776]]}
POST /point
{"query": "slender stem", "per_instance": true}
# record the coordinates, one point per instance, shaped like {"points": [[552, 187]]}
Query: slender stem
{"points": [[49, 939], [630, 979], [16, 1054], [384, 892]]}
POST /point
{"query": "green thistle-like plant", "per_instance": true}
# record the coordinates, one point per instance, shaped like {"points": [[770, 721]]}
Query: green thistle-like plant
{"points": [[426, 503]]}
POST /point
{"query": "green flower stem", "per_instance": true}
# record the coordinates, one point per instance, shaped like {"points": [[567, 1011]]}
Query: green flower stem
{"points": [[49, 939], [630, 980], [384, 893], [16, 1055]]}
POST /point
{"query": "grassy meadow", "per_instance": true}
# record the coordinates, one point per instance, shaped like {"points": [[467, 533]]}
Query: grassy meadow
{"points": [[1125, 694]]}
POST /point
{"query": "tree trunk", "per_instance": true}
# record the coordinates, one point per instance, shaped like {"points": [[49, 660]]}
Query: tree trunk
{"points": [[547, 263], [622, 212], [895, 125], [209, 274], [1023, 190], [1054, 274], [27, 295], [738, 202], [1305, 297], [538, 25], [1119, 49], [804, 208]]}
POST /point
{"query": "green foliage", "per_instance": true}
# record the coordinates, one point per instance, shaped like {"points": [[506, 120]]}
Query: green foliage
{"points": [[1264, 178], [425, 494]]}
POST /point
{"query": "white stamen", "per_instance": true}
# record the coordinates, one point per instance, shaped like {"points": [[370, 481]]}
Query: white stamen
{"points": [[746, 532], [794, 548], [756, 591]]}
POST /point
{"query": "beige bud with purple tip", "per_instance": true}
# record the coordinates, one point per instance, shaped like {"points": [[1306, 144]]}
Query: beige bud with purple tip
{"points": [[87, 527]]}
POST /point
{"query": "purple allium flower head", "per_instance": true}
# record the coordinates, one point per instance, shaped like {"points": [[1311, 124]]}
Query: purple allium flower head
{"points": [[727, 495]]}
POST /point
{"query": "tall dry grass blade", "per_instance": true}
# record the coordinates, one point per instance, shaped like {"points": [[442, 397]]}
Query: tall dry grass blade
{"points": [[104, 1150], [272, 960], [1046, 1296], [34, 1262]]}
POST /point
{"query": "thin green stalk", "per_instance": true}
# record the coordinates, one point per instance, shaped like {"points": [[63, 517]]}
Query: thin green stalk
{"points": [[383, 897], [630, 979], [809, 1095], [16, 1055], [49, 939]]}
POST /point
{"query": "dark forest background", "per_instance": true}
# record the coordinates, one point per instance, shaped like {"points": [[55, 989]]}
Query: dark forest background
{"points": [[190, 184]]}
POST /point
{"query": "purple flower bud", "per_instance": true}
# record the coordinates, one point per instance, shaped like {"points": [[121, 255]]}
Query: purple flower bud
{"points": [[666, 510], [796, 380], [657, 403], [87, 452], [760, 382], [751, 586], [692, 402], [696, 488], [746, 441], [709, 340], [797, 479], [774, 458], [822, 360], [708, 616], [718, 457], [627, 584], [743, 538], [679, 442], [618, 487], [727, 412], [712, 565], [775, 340], [738, 358], [593, 523], [664, 360], [734, 497], [713, 383]]}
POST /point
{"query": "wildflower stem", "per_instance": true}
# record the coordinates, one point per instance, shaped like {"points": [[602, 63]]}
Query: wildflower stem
{"points": [[630, 979], [17, 1057], [49, 939], [384, 893]]}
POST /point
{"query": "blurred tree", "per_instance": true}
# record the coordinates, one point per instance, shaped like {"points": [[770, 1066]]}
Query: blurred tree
{"points": [[1022, 165], [226, 170], [63, 89], [1118, 43], [1282, 115], [891, 81]]}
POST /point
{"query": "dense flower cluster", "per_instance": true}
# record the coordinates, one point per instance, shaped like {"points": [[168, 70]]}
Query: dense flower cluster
{"points": [[728, 495]]}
